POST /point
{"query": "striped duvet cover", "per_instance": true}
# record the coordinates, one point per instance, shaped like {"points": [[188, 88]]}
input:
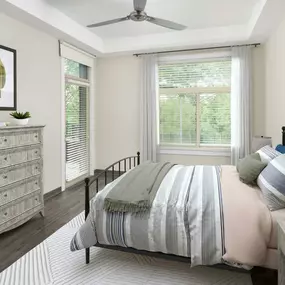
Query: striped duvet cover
{"points": [[186, 218]]}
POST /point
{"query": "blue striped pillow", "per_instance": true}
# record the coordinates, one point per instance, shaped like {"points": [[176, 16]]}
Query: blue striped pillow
{"points": [[267, 153], [271, 181]]}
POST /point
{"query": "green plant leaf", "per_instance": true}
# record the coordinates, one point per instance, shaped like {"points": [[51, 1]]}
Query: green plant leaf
{"points": [[20, 115]]}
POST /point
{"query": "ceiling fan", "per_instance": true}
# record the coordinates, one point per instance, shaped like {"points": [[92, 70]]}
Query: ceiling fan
{"points": [[139, 15]]}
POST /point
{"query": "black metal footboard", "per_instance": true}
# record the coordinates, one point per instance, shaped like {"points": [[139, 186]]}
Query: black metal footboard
{"points": [[121, 166]]}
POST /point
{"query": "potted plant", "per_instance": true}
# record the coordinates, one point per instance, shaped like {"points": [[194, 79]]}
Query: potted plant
{"points": [[20, 118]]}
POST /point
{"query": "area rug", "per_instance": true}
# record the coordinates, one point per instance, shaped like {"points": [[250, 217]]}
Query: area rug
{"points": [[51, 262]]}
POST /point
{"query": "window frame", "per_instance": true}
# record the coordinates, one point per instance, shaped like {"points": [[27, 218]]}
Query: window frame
{"points": [[67, 51], [198, 149]]}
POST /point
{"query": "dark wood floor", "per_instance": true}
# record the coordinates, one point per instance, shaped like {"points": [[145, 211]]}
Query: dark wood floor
{"points": [[59, 210]]}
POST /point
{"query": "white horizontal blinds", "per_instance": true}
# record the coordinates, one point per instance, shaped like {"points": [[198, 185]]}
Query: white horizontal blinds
{"points": [[215, 119], [178, 118], [195, 102], [208, 73], [76, 117]]}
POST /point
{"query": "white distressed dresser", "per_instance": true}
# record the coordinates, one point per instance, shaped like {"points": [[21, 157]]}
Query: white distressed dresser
{"points": [[21, 187]]}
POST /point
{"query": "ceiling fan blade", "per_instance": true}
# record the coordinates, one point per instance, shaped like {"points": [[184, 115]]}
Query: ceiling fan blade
{"points": [[109, 22], [166, 24], [139, 5]]}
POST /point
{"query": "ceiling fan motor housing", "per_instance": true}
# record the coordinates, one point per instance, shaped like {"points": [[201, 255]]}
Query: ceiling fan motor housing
{"points": [[138, 16]]}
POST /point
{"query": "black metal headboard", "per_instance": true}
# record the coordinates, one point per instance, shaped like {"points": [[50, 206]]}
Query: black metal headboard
{"points": [[283, 136]]}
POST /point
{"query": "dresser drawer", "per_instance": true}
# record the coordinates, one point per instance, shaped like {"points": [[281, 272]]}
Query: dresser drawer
{"points": [[10, 212], [17, 173], [14, 139], [19, 220], [10, 157], [18, 190]]}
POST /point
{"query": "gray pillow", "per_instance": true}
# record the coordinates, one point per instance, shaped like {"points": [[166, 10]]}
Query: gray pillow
{"points": [[271, 181], [253, 155], [249, 169]]}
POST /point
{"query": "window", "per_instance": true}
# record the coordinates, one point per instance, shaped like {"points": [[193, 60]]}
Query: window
{"points": [[76, 120], [194, 103], [75, 69]]}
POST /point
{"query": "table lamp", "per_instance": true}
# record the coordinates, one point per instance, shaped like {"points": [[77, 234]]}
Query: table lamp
{"points": [[260, 141]]}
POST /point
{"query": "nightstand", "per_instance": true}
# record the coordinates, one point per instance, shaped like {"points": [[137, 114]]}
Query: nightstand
{"points": [[281, 253]]}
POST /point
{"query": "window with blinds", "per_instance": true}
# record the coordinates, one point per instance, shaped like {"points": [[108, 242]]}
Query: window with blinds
{"points": [[76, 120], [194, 103]]}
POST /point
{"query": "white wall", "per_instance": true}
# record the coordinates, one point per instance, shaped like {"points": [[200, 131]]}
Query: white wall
{"points": [[39, 88], [275, 84], [117, 110]]}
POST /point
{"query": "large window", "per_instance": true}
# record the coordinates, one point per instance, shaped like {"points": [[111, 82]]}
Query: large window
{"points": [[76, 120], [194, 103]]}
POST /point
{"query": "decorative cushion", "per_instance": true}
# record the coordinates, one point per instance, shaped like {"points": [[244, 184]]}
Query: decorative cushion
{"points": [[272, 183], [280, 148], [253, 155], [250, 167], [268, 153]]}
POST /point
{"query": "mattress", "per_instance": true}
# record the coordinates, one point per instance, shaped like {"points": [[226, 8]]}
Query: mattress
{"points": [[271, 259], [272, 251], [276, 215]]}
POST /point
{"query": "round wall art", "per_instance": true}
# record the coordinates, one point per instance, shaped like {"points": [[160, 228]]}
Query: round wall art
{"points": [[8, 84]]}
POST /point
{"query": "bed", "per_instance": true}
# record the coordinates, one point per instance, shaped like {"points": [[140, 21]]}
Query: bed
{"points": [[242, 238]]}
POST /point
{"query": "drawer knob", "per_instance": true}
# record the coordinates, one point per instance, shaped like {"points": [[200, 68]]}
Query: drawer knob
{"points": [[36, 199], [5, 176], [36, 152], [36, 136], [5, 214], [5, 195], [36, 183], [36, 167], [5, 140], [5, 158]]}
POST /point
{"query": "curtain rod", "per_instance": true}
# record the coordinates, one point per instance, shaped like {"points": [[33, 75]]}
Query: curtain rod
{"points": [[195, 49]]}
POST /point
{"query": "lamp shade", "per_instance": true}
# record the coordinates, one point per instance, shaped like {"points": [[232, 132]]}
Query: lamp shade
{"points": [[259, 141]]}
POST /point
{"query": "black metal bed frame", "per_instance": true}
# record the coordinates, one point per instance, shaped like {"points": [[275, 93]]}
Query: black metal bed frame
{"points": [[128, 163]]}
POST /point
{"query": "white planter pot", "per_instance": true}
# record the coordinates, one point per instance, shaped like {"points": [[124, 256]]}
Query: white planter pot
{"points": [[20, 122]]}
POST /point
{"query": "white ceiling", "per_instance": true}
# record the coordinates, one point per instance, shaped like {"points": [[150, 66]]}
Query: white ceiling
{"points": [[195, 14]]}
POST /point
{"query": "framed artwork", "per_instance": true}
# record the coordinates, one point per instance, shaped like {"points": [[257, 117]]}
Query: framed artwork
{"points": [[8, 78]]}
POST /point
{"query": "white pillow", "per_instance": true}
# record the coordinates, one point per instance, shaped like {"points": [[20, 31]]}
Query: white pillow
{"points": [[267, 153]]}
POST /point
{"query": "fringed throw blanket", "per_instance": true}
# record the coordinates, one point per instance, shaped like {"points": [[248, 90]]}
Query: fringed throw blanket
{"points": [[185, 219], [136, 192]]}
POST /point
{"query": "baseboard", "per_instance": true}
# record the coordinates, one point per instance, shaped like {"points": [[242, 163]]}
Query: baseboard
{"points": [[52, 193], [76, 185], [59, 190]]}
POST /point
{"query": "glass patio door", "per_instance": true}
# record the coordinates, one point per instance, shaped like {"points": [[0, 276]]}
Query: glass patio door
{"points": [[77, 152]]}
